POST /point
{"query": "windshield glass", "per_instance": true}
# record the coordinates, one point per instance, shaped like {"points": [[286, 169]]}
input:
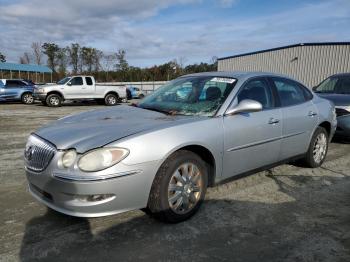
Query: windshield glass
{"points": [[192, 95], [327, 86], [64, 80]]}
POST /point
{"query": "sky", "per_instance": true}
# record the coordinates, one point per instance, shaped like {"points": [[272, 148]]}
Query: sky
{"points": [[157, 31]]}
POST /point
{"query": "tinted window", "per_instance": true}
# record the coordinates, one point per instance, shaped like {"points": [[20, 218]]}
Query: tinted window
{"points": [[258, 90], [88, 81], [289, 92], [343, 86], [77, 81], [14, 83]]}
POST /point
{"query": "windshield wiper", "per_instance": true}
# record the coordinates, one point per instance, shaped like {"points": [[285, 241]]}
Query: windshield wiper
{"points": [[157, 110]]}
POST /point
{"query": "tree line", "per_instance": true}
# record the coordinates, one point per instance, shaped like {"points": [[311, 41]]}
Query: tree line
{"points": [[76, 59]]}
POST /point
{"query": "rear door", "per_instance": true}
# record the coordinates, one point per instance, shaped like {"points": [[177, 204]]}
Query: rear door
{"points": [[300, 116], [252, 140], [89, 87]]}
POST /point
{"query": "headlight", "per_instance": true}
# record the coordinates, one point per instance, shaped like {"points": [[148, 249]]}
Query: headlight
{"points": [[41, 90], [68, 158], [100, 159]]}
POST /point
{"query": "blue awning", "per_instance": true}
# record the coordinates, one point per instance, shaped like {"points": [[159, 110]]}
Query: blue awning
{"points": [[25, 68]]}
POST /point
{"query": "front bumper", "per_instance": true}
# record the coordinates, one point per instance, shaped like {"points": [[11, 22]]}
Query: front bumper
{"points": [[343, 126], [129, 191], [39, 96]]}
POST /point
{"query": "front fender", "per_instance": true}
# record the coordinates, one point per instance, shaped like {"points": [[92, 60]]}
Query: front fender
{"points": [[158, 145]]}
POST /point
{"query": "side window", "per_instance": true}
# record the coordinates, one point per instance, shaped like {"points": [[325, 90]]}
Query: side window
{"points": [[343, 87], [13, 83], [258, 90], [88, 81], [77, 81], [289, 92]]}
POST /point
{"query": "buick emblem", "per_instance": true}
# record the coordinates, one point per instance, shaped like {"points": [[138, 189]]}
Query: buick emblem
{"points": [[29, 153]]}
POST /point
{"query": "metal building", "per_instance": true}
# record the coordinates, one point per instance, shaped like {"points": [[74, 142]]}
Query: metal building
{"points": [[309, 63]]}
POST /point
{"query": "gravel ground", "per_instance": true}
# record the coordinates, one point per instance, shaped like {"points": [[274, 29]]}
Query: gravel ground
{"points": [[284, 214]]}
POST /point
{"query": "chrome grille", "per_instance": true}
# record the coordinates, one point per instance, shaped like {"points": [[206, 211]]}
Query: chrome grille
{"points": [[38, 153]]}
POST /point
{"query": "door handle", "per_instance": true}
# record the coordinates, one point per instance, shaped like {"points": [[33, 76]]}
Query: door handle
{"points": [[312, 114], [273, 121]]}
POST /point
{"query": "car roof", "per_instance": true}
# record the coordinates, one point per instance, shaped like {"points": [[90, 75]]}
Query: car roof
{"points": [[341, 74], [237, 74]]}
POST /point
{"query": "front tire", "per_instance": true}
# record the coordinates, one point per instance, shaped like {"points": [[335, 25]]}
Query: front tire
{"points": [[179, 187], [111, 99], [53, 100], [318, 148], [27, 98]]}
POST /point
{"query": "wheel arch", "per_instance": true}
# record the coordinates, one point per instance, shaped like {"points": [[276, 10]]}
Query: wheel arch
{"points": [[206, 155], [112, 92], [56, 93], [326, 125]]}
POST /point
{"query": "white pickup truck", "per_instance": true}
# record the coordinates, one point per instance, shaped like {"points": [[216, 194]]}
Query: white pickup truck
{"points": [[79, 88]]}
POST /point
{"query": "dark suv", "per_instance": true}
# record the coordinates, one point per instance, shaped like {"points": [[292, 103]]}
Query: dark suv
{"points": [[336, 88]]}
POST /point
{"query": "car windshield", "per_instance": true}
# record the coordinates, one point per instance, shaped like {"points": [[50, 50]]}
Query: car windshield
{"points": [[327, 86], [192, 95], [64, 80]]}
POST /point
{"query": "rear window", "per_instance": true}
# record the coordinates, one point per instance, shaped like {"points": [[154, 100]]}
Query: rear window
{"points": [[88, 81]]}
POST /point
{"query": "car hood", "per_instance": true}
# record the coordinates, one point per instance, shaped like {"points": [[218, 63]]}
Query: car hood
{"points": [[97, 128], [337, 99]]}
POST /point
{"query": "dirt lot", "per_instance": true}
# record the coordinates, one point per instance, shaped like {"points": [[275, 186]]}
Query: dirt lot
{"points": [[284, 214]]}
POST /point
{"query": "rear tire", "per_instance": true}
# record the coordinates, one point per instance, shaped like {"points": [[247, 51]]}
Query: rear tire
{"points": [[27, 98], [111, 99], [177, 194], [53, 100], [318, 148]]}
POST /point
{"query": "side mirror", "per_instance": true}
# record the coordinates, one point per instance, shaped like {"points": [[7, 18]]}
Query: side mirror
{"points": [[69, 84], [314, 88], [246, 105]]}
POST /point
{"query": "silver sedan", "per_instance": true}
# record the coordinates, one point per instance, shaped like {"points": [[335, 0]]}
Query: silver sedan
{"points": [[161, 155]]}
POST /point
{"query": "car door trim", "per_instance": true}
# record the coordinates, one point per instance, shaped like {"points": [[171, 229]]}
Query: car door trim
{"points": [[263, 142]]}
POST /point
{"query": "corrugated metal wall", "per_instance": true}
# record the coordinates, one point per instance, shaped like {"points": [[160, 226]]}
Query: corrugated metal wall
{"points": [[313, 63]]}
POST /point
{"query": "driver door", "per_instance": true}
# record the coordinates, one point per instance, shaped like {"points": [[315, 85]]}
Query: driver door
{"points": [[252, 140], [74, 88]]}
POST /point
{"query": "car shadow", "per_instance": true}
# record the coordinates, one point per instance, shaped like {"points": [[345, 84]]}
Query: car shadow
{"points": [[305, 226]]}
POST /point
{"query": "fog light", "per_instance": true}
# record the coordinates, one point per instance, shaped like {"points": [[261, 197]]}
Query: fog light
{"points": [[94, 198]]}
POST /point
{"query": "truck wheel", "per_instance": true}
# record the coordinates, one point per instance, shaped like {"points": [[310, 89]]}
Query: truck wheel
{"points": [[111, 100], [27, 98], [178, 188], [53, 100], [317, 149]]}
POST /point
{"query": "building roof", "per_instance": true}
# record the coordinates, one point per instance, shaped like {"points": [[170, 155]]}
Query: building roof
{"points": [[25, 68], [285, 47]]}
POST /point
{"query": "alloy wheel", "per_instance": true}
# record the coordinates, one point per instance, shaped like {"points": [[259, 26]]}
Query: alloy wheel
{"points": [[28, 99], [54, 101], [185, 188], [320, 148]]}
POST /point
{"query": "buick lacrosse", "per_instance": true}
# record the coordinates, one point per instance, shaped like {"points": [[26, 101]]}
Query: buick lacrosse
{"points": [[162, 154]]}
